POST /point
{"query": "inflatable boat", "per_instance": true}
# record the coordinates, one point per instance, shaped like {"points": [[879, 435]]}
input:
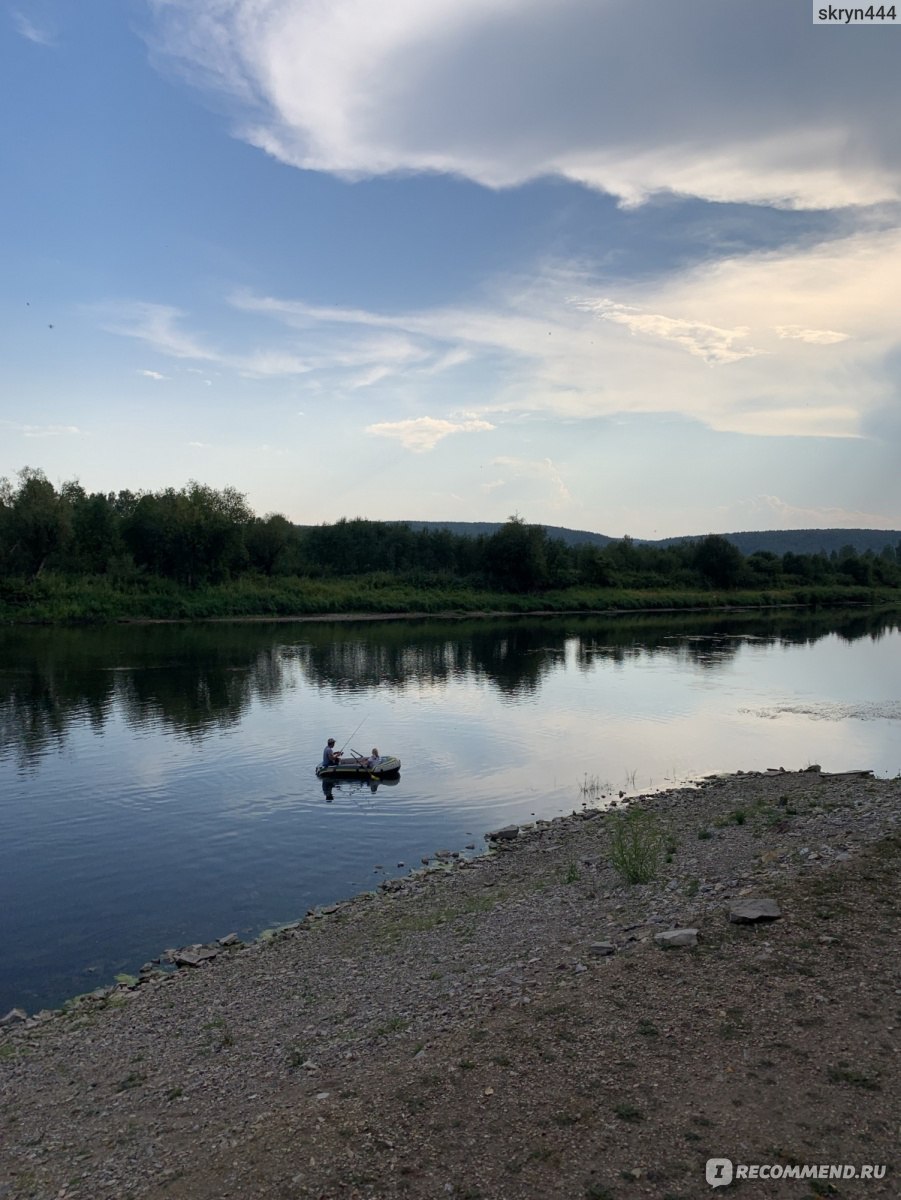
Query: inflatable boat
{"points": [[353, 768]]}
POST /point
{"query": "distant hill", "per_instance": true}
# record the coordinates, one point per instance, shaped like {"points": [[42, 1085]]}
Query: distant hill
{"points": [[777, 541], [805, 541], [572, 537]]}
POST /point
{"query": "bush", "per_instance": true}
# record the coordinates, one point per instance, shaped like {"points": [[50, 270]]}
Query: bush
{"points": [[636, 845]]}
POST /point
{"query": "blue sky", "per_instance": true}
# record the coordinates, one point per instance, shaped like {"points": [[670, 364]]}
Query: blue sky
{"points": [[633, 268]]}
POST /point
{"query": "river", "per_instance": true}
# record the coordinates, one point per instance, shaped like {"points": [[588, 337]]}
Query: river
{"points": [[157, 783]]}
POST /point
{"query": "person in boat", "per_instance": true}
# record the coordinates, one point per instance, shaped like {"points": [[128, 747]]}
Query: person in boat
{"points": [[369, 761], [330, 756]]}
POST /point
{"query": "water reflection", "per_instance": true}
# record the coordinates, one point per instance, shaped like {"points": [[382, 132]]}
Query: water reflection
{"points": [[348, 789], [193, 680]]}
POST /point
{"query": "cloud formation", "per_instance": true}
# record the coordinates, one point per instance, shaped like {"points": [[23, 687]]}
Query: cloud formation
{"points": [[44, 431], [709, 342], [420, 434], [543, 470], [31, 31], [630, 99], [797, 342], [817, 337]]}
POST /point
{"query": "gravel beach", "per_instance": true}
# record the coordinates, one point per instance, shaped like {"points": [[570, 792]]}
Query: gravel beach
{"points": [[512, 1026]]}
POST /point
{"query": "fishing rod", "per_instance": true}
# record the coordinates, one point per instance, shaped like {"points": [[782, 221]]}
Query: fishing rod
{"points": [[341, 751]]}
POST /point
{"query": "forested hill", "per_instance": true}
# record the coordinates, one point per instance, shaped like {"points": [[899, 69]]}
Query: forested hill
{"points": [[776, 541], [807, 541], [570, 537]]}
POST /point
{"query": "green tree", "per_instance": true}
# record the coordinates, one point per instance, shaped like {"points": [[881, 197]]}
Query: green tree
{"points": [[95, 533], [517, 556], [267, 541], [36, 523], [719, 562], [194, 535]]}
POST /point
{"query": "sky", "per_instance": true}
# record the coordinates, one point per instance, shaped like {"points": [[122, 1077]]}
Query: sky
{"points": [[630, 267]]}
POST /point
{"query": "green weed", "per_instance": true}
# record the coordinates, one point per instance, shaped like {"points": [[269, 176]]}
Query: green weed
{"points": [[636, 845]]}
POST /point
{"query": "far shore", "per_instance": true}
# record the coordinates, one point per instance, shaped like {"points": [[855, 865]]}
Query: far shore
{"points": [[465, 614], [60, 601], [521, 1024]]}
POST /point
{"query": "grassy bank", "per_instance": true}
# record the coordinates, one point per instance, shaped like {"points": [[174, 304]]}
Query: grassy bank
{"points": [[61, 600]]}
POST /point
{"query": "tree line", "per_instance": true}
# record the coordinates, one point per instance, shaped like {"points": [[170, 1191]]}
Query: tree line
{"points": [[197, 535]]}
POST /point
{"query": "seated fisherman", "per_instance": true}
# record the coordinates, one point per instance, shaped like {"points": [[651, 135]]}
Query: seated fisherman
{"points": [[330, 756]]}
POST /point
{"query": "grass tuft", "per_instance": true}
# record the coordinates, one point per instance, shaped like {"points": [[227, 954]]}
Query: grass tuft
{"points": [[636, 845]]}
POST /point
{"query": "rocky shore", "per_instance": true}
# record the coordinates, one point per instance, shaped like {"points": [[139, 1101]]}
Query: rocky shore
{"points": [[521, 1025]]}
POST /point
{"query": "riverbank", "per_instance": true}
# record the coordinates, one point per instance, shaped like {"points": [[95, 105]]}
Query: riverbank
{"points": [[63, 600], [508, 1027]]}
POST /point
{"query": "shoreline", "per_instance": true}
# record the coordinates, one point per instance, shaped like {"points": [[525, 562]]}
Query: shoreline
{"points": [[474, 614], [441, 992], [629, 604]]}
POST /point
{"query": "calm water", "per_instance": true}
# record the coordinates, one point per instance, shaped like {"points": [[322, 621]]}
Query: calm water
{"points": [[157, 786]]}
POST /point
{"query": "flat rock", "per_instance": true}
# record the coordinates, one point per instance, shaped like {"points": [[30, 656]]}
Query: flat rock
{"points": [[193, 956], [750, 909], [507, 834], [601, 949], [672, 938]]}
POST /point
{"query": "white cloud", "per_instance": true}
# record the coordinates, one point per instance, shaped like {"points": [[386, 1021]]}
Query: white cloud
{"points": [[731, 102], [262, 364], [42, 431], [816, 337], [31, 31], [649, 347], [708, 342], [493, 485], [156, 325], [153, 375], [748, 344], [424, 433], [537, 469]]}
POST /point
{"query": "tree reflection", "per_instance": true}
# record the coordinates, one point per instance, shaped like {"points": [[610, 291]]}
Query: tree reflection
{"points": [[196, 679]]}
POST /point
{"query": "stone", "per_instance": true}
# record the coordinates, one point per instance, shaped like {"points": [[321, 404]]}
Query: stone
{"points": [[506, 834], [14, 1016], [601, 949], [193, 956], [673, 938], [751, 909], [230, 939], [184, 958]]}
